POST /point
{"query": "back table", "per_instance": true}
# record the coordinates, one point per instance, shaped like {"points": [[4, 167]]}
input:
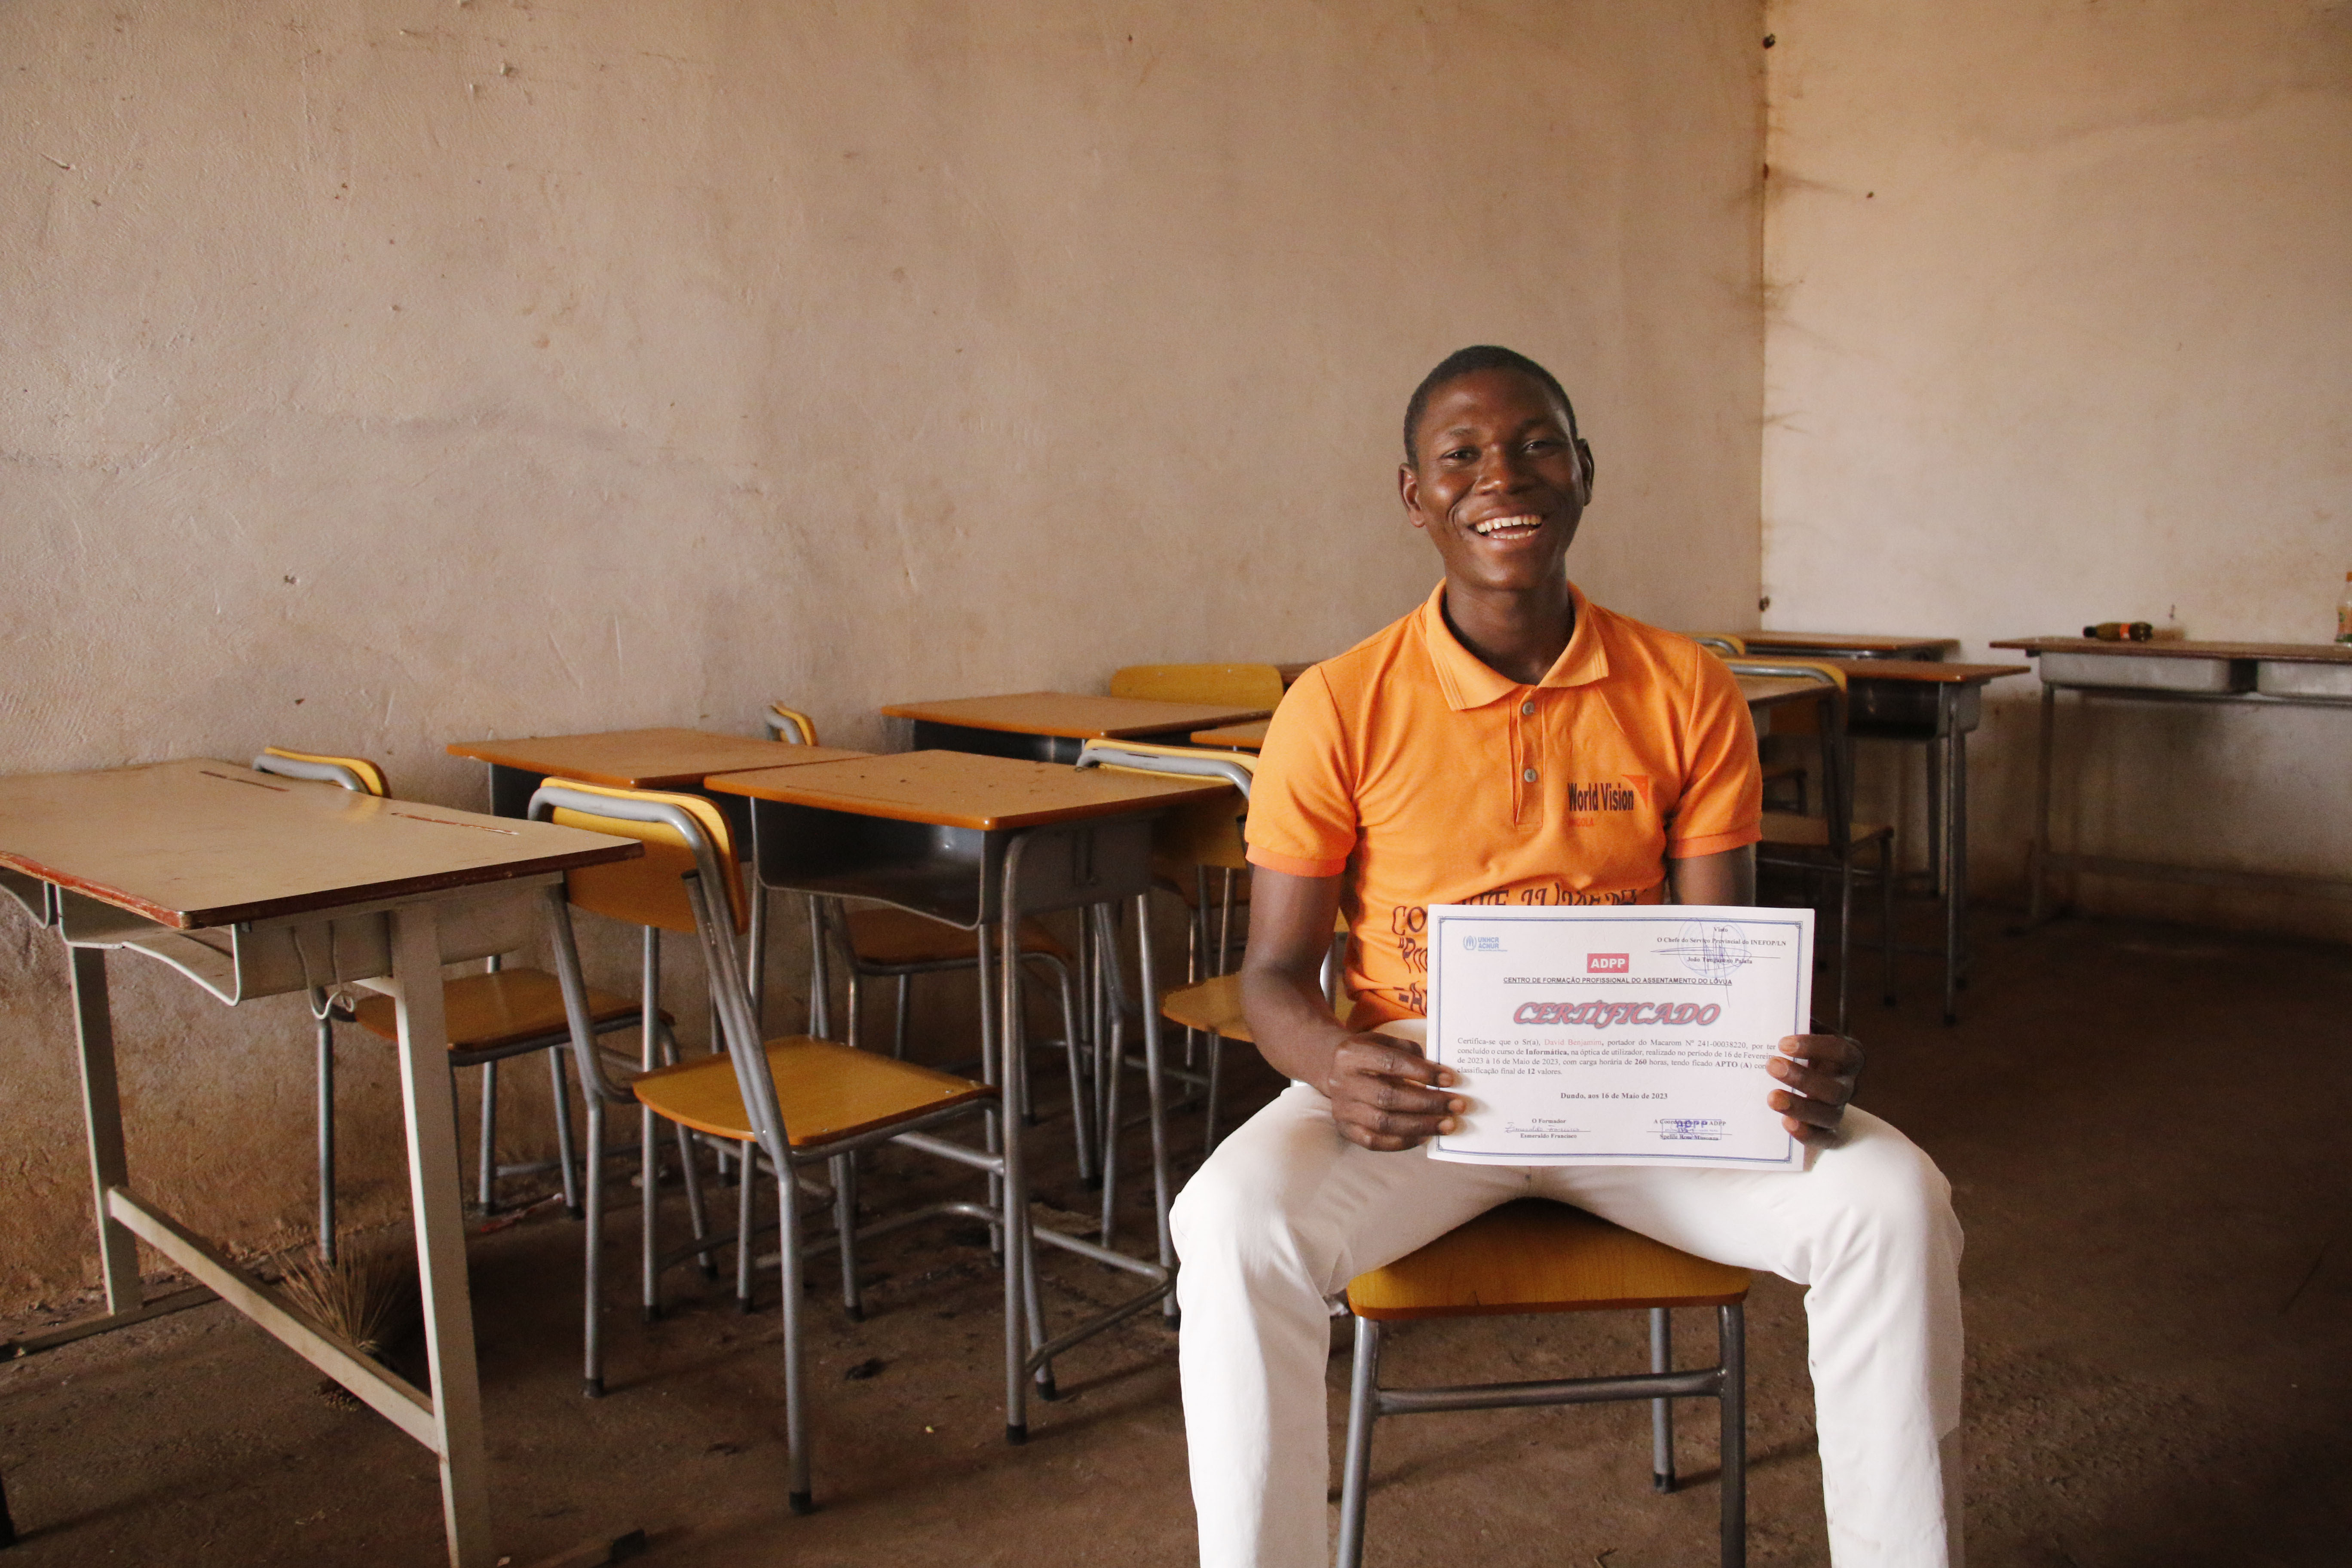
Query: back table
{"points": [[253, 886]]}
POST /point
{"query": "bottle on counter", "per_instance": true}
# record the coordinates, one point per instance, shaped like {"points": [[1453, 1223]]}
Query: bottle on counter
{"points": [[2140, 631], [2344, 611]]}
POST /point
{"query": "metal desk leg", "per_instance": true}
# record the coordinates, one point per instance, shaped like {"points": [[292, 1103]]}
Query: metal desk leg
{"points": [[102, 1110], [2037, 859], [1155, 1088], [1956, 848], [428, 1104]]}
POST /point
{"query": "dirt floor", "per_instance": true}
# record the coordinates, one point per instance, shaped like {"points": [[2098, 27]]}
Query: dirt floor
{"points": [[2143, 1127]]}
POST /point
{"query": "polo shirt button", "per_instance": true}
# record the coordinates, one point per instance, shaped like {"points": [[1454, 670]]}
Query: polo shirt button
{"points": [[1528, 707], [1530, 775]]}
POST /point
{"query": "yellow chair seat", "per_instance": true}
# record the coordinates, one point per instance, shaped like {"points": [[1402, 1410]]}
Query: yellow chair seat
{"points": [[1213, 1004], [1537, 1256], [825, 1091], [1787, 829], [884, 934], [504, 1008]]}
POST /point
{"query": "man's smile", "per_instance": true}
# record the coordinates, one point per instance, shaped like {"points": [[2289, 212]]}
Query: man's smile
{"points": [[1519, 525]]}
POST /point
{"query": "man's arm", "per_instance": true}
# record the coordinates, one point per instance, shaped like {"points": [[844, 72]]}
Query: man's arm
{"points": [[1819, 1070], [1384, 1095]]}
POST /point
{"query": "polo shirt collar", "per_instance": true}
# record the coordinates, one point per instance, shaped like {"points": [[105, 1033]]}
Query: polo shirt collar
{"points": [[1468, 682]]}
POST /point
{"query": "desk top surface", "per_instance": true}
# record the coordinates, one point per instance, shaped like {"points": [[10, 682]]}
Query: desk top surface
{"points": [[1247, 737], [1072, 716], [2281, 652], [643, 759], [1884, 644], [1932, 671], [202, 843], [962, 789]]}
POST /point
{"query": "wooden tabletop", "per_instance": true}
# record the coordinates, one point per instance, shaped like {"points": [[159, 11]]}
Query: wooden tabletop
{"points": [[1072, 716], [1843, 642], [1291, 672], [643, 759], [1247, 737], [962, 789], [1932, 671], [203, 843], [2279, 652], [1767, 691]]}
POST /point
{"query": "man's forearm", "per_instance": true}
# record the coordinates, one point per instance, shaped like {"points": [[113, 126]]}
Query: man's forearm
{"points": [[1293, 1026]]}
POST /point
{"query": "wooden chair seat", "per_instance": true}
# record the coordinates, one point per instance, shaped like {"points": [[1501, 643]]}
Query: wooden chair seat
{"points": [[825, 1091], [1213, 1004], [884, 934], [1537, 1256], [489, 1012], [1786, 830]]}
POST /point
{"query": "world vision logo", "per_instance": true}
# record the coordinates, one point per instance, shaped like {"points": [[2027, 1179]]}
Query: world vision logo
{"points": [[1605, 797]]}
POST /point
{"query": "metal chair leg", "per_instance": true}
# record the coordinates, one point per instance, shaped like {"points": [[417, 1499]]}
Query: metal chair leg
{"points": [[898, 1019], [1845, 933], [1662, 1411], [845, 1226], [486, 1180], [788, 1227], [1209, 1108], [747, 1170], [566, 1152], [591, 1371], [326, 1129], [1363, 1409]]}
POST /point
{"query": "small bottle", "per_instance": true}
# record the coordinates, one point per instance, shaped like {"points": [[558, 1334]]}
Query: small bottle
{"points": [[2136, 631], [2344, 611]]}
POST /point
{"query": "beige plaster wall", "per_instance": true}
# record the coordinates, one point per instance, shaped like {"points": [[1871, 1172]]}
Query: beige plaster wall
{"points": [[382, 375], [2060, 330]]}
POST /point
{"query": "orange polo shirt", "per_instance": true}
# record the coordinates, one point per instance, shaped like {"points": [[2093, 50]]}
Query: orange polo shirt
{"points": [[1428, 778]]}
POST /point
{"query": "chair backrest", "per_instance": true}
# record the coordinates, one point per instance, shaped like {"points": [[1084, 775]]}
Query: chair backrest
{"points": [[1837, 754], [1242, 685], [1207, 833], [354, 773], [790, 725], [687, 852], [1722, 644], [682, 835]]}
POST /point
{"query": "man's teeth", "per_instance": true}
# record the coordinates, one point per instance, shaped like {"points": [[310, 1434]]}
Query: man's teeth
{"points": [[1493, 526]]}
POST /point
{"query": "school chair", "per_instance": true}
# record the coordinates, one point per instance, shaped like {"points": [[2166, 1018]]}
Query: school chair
{"points": [[491, 1016], [882, 941], [1535, 1256], [1723, 644], [1255, 685], [1833, 841], [782, 1104]]}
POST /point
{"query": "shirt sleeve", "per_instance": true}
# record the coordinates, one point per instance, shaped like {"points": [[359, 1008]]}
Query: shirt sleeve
{"points": [[1722, 803], [1302, 815]]}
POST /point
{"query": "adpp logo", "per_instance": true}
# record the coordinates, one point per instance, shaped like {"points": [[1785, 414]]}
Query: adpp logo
{"points": [[1608, 963], [1472, 942]]}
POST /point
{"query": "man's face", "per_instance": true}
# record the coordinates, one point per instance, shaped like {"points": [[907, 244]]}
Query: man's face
{"points": [[1501, 484]]}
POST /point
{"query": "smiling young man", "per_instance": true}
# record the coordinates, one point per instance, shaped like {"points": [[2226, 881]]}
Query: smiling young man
{"points": [[1510, 741]]}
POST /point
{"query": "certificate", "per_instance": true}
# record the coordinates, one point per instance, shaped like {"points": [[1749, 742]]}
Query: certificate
{"points": [[1617, 1034]]}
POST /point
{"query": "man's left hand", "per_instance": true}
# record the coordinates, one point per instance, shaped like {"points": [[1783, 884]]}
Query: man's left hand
{"points": [[1818, 1074]]}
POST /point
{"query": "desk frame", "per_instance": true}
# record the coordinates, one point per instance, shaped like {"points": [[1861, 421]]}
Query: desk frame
{"points": [[2041, 859]]}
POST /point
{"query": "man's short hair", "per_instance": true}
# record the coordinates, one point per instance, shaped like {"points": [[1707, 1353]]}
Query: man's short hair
{"points": [[1469, 362]]}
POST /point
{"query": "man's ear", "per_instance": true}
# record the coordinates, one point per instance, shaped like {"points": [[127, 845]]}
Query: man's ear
{"points": [[1408, 491], [1584, 456]]}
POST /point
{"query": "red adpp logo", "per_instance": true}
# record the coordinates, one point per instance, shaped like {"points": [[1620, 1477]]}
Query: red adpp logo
{"points": [[1608, 963]]}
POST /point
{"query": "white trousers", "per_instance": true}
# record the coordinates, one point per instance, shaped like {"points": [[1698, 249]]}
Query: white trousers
{"points": [[1286, 1212]]}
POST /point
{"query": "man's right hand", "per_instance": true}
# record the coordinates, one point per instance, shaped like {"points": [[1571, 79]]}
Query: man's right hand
{"points": [[1386, 1094]]}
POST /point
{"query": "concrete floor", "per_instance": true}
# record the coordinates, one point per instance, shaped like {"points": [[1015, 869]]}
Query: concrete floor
{"points": [[2144, 1126]]}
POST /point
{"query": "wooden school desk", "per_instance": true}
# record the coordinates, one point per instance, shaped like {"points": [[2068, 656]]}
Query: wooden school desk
{"points": [[984, 842], [1760, 690], [1054, 726], [1935, 704], [1844, 645], [650, 759], [2252, 675], [252, 886]]}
